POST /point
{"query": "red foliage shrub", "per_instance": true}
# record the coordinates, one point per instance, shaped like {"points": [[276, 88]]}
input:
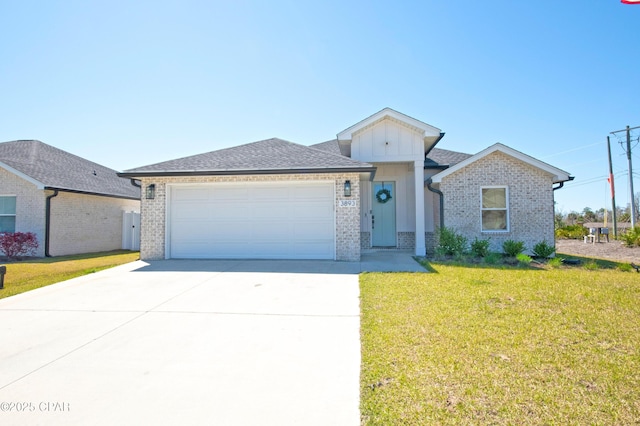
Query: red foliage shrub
{"points": [[15, 244]]}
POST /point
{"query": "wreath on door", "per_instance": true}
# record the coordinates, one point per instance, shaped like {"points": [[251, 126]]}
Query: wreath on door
{"points": [[383, 195]]}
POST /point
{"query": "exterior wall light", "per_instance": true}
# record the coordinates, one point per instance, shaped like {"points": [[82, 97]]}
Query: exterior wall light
{"points": [[347, 188], [151, 191]]}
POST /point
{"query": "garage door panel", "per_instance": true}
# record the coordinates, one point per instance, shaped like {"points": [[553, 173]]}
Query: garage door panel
{"points": [[190, 194], [252, 220], [316, 231], [314, 210], [271, 211], [272, 231], [281, 193], [223, 213], [223, 194], [313, 192]]}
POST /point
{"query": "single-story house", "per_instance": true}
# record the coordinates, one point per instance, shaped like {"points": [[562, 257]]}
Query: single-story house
{"points": [[380, 184], [72, 205]]}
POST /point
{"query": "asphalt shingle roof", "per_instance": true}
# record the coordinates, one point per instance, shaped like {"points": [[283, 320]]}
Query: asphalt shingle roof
{"points": [[329, 146], [444, 157], [270, 155], [58, 169]]}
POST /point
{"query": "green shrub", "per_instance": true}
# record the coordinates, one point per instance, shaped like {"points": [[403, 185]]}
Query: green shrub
{"points": [[556, 262], [492, 258], [591, 265], [572, 232], [543, 250], [451, 243], [480, 248], [625, 267], [631, 238], [523, 259], [513, 248]]}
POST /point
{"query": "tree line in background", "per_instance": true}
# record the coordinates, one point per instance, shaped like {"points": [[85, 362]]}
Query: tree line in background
{"points": [[587, 215], [572, 225]]}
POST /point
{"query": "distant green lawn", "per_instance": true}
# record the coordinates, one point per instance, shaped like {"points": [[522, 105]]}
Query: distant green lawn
{"points": [[27, 275], [482, 345]]}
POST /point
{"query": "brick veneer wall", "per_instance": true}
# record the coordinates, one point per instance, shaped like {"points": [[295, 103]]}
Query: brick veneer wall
{"points": [[83, 223], [30, 205], [153, 212], [531, 207]]}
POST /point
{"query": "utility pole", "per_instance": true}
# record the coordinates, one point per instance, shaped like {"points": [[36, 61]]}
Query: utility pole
{"points": [[633, 203], [613, 191], [633, 200]]}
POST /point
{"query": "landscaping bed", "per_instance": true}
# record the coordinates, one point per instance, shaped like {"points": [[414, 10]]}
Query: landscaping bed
{"points": [[613, 250]]}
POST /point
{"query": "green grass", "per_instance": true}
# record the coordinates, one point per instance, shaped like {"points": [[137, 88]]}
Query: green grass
{"points": [[505, 345], [31, 274]]}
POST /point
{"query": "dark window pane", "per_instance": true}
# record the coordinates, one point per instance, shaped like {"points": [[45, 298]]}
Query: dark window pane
{"points": [[7, 205], [494, 198], [494, 220], [7, 224]]}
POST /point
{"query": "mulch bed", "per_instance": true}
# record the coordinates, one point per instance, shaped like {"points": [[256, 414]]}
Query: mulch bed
{"points": [[613, 250]]}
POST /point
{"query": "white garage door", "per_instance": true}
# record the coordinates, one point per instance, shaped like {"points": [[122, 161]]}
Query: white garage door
{"points": [[288, 220]]}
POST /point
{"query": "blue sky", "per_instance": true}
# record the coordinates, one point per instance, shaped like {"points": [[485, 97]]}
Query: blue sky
{"points": [[126, 83]]}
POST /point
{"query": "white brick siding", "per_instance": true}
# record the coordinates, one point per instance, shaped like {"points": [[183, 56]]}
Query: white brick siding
{"points": [[530, 200], [153, 212], [30, 204], [83, 223]]}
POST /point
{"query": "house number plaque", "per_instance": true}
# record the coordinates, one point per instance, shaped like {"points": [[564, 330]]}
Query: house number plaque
{"points": [[348, 203]]}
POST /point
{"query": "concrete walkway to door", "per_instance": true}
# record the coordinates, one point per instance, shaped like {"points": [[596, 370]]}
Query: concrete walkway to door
{"points": [[186, 342]]}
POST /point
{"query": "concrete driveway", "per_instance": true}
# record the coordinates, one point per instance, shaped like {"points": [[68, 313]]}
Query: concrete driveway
{"points": [[186, 342]]}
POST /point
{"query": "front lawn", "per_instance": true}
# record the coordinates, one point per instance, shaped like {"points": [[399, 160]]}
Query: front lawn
{"points": [[482, 345], [31, 274]]}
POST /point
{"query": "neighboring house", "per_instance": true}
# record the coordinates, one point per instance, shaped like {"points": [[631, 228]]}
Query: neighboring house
{"points": [[72, 205], [380, 184]]}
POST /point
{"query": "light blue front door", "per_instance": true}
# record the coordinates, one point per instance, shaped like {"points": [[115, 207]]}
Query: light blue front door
{"points": [[383, 217]]}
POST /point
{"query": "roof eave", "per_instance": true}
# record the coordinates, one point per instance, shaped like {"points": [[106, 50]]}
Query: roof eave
{"points": [[172, 173], [99, 194]]}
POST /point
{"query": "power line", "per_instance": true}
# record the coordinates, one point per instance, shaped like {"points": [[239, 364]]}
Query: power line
{"points": [[571, 150]]}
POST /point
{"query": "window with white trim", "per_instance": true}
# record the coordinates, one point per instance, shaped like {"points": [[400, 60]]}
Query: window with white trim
{"points": [[495, 209], [7, 213]]}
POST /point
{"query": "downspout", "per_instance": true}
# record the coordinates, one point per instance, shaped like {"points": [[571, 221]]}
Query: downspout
{"points": [[47, 222], [436, 191]]}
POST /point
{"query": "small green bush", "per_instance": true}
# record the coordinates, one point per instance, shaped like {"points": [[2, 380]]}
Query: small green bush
{"points": [[571, 232], [591, 265], [513, 248], [625, 267], [480, 248], [492, 258], [524, 259], [556, 262], [451, 243], [631, 238], [543, 250]]}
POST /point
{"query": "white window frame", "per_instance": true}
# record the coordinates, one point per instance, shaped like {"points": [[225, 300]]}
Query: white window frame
{"points": [[482, 209], [14, 215]]}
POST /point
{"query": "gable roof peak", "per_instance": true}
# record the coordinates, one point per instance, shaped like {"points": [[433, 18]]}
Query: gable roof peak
{"points": [[427, 130], [559, 175]]}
